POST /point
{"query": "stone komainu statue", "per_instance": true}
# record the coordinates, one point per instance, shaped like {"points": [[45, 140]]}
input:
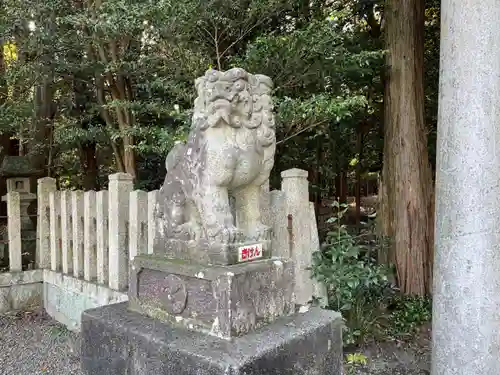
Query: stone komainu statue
{"points": [[229, 154]]}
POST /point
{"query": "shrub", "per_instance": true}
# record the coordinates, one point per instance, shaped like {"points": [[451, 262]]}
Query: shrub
{"points": [[408, 313], [357, 286]]}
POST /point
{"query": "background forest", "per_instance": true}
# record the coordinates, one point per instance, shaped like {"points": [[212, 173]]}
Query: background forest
{"points": [[91, 87]]}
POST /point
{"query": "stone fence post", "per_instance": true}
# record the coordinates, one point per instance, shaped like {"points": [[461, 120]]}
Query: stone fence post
{"points": [[77, 211], [66, 232], [102, 236], [14, 231], [89, 236], [55, 231], [304, 241], [120, 187], [280, 242], [138, 217], [152, 202], [46, 185]]}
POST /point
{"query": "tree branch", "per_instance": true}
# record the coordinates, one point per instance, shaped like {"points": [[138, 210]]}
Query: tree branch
{"points": [[301, 131]]}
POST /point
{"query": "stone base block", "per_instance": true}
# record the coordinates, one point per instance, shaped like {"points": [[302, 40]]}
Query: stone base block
{"points": [[205, 252], [21, 290], [116, 341], [224, 301], [65, 298]]}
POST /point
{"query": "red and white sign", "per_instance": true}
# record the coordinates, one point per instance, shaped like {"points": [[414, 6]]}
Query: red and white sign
{"points": [[249, 252]]}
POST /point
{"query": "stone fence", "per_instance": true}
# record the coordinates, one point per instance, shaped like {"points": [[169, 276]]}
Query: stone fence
{"points": [[92, 235], [85, 241]]}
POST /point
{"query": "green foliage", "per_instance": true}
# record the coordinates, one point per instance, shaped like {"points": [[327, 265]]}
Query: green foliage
{"points": [[354, 361], [325, 72], [326, 59], [325, 66], [408, 313], [360, 288], [357, 286]]}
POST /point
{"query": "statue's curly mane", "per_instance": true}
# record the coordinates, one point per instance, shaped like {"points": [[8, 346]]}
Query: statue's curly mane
{"points": [[235, 98]]}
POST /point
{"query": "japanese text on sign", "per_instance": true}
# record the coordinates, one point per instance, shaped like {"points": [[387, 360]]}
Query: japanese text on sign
{"points": [[249, 252]]}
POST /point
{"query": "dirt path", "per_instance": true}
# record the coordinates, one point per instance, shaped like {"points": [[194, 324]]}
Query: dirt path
{"points": [[396, 358]]}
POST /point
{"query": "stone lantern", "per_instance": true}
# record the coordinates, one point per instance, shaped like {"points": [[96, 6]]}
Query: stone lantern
{"points": [[18, 172]]}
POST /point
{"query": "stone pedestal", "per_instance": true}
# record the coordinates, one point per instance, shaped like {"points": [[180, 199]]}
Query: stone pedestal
{"points": [[223, 301], [117, 341]]}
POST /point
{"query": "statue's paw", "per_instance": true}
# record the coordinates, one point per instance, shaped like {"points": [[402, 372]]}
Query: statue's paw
{"points": [[231, 235], [227, 235], [262, 233], [186, 232]]}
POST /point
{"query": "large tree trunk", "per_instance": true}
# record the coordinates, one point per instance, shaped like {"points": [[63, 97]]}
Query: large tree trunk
{"points": [[88, 161], [38, 146], [359, 167], [341, 185], [407, 179]]}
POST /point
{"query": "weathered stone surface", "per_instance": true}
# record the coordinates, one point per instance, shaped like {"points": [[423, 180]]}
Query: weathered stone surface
{"points": [[138, 227], [102, 236], [77, 209], [46, 185], [89, 236], [296, 188], [65, 298], [281, 241], [55, 230], [14, 231], [229, 153], [120, 187], [466, 294], [116, 341], [21, 290], [152, 203], [224, 301], [66, 232]]}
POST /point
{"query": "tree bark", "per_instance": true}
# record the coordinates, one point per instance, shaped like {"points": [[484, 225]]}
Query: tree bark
{"points": [[88, 161], [341, 186], [38, 147], [407, 178], [114, 86], [359, 167]]}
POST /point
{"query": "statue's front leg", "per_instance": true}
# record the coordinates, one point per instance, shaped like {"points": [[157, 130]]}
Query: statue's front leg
{"points": [[247, 204], [215, 212]]}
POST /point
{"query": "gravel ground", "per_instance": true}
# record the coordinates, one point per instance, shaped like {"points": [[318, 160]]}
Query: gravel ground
{"points": [[33, 343]]}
